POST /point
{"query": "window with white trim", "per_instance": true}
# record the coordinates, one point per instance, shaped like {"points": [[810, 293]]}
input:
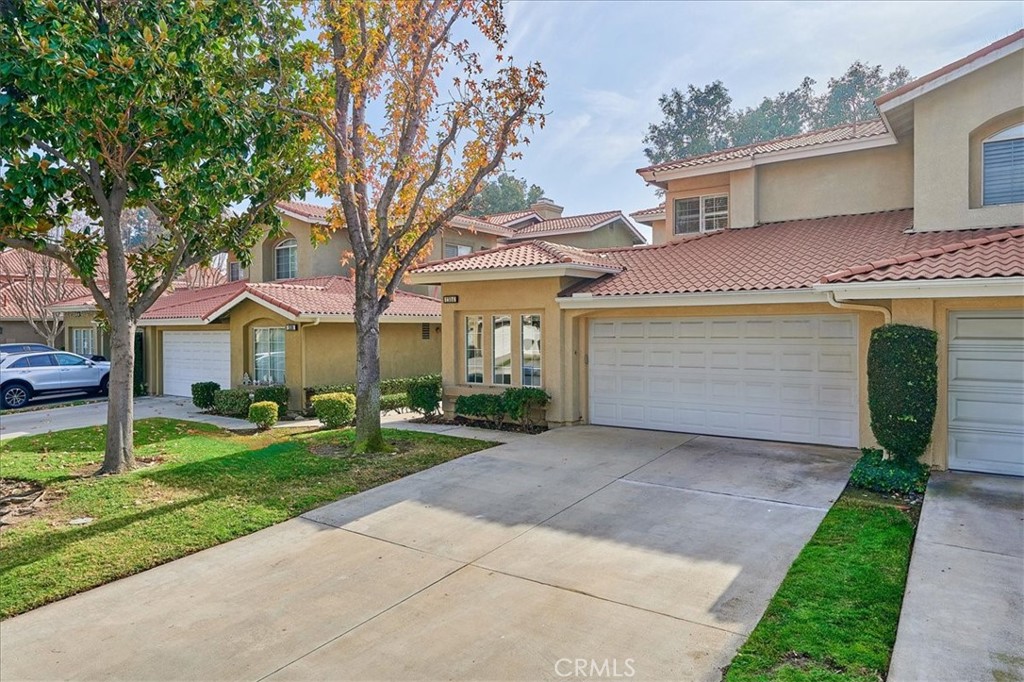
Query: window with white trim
{"points": [[286, 263], [501, 348], [474, 349], [268, 355], [1003, 167], [83, 341], [531, 349], [234, 271], [701, 214], [453, 250]]}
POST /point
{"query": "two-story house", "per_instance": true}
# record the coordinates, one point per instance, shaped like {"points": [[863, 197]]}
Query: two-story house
{"points": [[751, 313]]}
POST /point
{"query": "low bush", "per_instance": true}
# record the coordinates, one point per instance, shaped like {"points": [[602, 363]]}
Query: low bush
{"points": [[203, 393], [274, 394], [424, 394], [232, 402], [335, 410], [481, 406], [394, 401], [387, 386], [874, 473], [263, 414], [520, 403]]}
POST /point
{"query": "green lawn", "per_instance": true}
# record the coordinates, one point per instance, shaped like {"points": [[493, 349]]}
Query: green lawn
{"points": [[835, 615], [202, 486]]}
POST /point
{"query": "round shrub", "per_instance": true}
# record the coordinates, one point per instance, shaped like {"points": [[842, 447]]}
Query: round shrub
{"points": [[263, 414], [232, 402], [335, 410], [902, 388], [424, 394], [275, 394], [203, 394]]}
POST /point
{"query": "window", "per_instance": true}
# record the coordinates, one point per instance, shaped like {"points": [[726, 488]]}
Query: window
{"points": [[474, 349], [453, 250], [69, 360], [83, 341], [501, 346], [286, 260], [1003, 167], [268, 355], [531, 350], [235, 271], [34, 361], [701, 214]]}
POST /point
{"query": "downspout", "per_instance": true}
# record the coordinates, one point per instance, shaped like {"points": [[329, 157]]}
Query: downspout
{"points": [[843, 305], [314, 323]]}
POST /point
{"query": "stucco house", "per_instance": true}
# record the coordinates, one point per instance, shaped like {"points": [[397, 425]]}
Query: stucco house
{"points": [[750, 314]]}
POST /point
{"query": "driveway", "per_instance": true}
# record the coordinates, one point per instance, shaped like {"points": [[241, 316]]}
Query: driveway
{"points": [[585, 551], [963, 611]]}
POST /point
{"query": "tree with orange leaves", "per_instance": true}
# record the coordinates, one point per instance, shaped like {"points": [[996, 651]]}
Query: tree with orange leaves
{"points": [[412, 122]]}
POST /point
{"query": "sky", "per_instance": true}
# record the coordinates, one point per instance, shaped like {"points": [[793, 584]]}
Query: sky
{"points": [[608, 61]]}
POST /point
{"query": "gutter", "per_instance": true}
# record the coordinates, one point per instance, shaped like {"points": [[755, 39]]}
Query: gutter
{"points": [[843, 305]]}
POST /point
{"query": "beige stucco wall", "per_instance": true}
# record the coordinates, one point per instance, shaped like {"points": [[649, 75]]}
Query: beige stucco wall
{"points": [[944, 121], [685, 188], [878, 179], [313, 260], [19, 331]]}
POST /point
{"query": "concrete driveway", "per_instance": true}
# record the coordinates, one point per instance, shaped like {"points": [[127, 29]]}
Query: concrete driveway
{"points": [[963, 611], [583, 552]]}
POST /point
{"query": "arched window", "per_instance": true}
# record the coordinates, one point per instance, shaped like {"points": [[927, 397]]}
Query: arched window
{"points": [[1003, 167], [286, 260]]}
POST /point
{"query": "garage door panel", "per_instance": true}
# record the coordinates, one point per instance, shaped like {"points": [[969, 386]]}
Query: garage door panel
{"points": [[986, 391], [191, 357], [745, 376]]}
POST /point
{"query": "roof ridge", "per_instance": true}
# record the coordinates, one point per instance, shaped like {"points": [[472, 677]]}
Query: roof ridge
{"points": [[922, 254], [784, 138], [472, 254]]}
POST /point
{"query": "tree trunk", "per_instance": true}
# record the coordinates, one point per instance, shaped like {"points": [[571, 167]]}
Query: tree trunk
{"points": [[120, 453], [367, 318]]}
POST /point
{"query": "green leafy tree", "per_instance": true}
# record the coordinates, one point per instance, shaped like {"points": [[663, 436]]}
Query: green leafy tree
{"points": [[696, 122], [851, 97], [504, 194], [109, 106], [788, 113]]}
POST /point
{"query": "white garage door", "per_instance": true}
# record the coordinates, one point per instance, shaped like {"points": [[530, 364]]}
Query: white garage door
{"points": [[986, 392], [191, 357], [777, 378]]}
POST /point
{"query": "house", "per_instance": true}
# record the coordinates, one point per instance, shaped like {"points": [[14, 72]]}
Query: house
{"points": [[298, 333], [751, 313], [28, 284], [306, 249]]}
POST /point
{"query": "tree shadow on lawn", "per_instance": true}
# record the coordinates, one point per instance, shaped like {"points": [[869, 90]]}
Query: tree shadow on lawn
{"points": [[92, 439]]}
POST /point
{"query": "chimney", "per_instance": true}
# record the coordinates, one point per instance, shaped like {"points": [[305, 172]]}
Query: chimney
{"points": [[547, 209]]}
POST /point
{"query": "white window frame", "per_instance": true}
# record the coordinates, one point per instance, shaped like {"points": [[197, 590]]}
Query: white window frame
{"points": [[87, 333], [538, 380], [1014, 132], [704, 216], [473, 324], [286, 245], [505, 377], [284, 355], [460, 250]]}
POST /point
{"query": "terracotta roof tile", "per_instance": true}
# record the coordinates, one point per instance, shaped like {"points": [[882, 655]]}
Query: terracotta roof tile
{"points": [[990, 255], [12, 293], [509, 217], [522, 254], [314, 212], [643, 213], [576, 223], [840, 133]]}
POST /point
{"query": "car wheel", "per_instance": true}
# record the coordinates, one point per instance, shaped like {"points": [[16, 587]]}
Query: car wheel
{"points": [[15, 396], [104, 385]]}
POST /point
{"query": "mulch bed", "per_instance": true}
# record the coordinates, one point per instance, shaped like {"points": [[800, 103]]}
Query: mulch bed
{"points": [[514, 427]]}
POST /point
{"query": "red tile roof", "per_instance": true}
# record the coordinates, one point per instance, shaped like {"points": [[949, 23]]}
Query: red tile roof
{"points": [[510, 217], [327, 296], [652, 212], [521, 255], [314, 212], [989, 255], [840, 133], [12, 293], [787, 255], [949, 68], [576, 223]]}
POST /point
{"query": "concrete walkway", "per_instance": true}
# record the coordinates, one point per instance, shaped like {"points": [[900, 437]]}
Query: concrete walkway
{"points": [[608, 551], [58, 418], [963, 611]]}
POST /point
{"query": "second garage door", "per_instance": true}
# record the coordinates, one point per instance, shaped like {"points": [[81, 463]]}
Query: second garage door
{"points": [[191, 357], [776, 378]]}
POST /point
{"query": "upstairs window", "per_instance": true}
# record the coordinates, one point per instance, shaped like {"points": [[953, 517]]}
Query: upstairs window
{"points": [[453, 250], [286, 264], [234, 271], [1003, 167], [701, 214]]}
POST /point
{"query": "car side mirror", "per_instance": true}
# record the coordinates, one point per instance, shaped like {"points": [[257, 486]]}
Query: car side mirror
{"points": [[90, 363]]}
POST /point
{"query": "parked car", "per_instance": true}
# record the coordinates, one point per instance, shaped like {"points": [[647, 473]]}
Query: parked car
{"points": [[26, 375], [10, 348]]}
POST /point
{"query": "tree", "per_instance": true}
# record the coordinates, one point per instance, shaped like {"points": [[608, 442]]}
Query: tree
{"points": [[108, 106], [851, 97], [411, 126], [34, 283], [696, 122], [505, 194]]}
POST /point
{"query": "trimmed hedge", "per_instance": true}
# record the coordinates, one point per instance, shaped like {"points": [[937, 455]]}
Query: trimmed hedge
{"points": [[521, 402], [203, 394], [387, 386], [424, 394], [335, 410], [232, 402], [394, 401], [482, 406], [903, 370], [872, 472], [274, 394], [515, 403], [263, 414]]}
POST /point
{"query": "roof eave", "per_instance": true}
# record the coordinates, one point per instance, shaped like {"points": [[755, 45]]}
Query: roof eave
{"points": [[955, 287], [516, 272], [302, 217], [585, 300], [637, 237]]}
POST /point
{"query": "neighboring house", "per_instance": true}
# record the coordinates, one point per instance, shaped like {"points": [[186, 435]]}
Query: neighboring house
{"points": [[298, 333], [293, 254], [29, 283], [751, 314]]}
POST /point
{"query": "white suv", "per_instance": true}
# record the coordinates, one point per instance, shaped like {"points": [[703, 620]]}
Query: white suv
{"points": [[25, 375]]}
